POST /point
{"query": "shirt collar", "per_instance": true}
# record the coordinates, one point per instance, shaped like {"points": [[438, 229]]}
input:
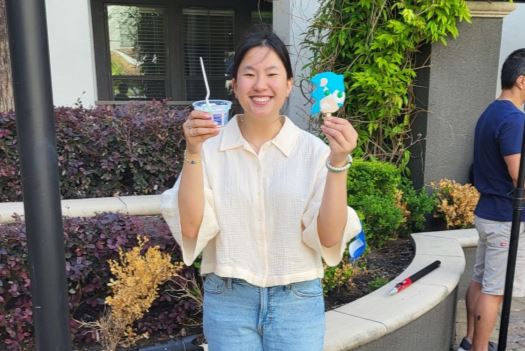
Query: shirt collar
{"points": [[284, 140], [231, 135]]}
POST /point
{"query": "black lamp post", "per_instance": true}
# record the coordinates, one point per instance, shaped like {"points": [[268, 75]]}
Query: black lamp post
{"points": [[517, 204], [27, 30]]}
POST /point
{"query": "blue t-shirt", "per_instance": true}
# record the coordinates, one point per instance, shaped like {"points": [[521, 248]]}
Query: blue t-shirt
{"points": [[499, 133]]}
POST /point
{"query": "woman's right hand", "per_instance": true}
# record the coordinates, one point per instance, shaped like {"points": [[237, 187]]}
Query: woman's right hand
{"points": [[197, 129]]}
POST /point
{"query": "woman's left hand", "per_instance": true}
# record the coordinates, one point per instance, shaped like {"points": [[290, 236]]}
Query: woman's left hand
{"points": [[342, 138]]}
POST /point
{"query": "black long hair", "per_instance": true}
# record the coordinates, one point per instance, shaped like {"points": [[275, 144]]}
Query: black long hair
{"points": [[262, 36]]}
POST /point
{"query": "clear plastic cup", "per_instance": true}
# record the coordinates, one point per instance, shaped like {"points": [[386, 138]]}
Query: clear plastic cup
{"points": [[219, 109]]}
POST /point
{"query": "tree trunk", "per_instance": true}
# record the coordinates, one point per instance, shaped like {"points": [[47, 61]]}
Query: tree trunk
{"points": [[6, 88]]}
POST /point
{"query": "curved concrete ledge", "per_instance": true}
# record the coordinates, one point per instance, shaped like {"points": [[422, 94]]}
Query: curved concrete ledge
{"points": [[490, 9], [467, 238], [423, 314], [370, 322]]}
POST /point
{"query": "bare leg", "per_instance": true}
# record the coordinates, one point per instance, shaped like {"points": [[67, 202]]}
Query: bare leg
{"points": [[486, 313], [471, 298]]}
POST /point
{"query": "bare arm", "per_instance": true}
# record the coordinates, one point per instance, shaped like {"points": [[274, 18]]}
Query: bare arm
{"points": [[513, 164], [198, 128], [333, 211]]}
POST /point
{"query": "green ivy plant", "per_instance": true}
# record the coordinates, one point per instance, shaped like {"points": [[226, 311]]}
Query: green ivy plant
{"points": [[373, 43]]}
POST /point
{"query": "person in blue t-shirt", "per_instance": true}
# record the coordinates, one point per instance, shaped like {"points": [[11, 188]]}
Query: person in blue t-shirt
{"points": [[497, 151]]}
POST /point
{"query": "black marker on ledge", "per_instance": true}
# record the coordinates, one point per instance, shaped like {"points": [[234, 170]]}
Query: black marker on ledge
{"points": [[414, 277]]}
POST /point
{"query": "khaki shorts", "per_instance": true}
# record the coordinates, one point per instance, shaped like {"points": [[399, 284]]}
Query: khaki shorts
{"points": [[490, 268]]}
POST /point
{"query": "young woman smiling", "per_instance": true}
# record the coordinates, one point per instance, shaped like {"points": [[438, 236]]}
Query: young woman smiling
{"points": [[263, 201]]}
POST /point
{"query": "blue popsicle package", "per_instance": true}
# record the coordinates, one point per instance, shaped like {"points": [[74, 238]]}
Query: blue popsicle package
{"points": [[329, 93]]}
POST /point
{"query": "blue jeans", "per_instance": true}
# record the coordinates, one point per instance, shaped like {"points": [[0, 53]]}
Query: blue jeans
{"points": [[239, 316]]}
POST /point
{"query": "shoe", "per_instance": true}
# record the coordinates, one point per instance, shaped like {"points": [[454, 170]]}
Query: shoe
{"points": [[466, 345]]}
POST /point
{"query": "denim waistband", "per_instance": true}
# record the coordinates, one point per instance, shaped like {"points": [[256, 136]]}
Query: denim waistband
{"points": [[229, 282]]}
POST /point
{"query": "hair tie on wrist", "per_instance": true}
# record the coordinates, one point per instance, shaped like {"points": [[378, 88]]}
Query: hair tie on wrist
{"points": [[339, 169]]}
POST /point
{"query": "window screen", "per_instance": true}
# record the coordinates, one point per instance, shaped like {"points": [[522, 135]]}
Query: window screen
{"points": [[210, 34], [137, 43], [150, 49]]}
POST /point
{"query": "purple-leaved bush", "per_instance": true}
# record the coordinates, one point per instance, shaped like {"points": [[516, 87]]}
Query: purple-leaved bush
{"points": [[124, 150], [134, 149], [89, 242]]}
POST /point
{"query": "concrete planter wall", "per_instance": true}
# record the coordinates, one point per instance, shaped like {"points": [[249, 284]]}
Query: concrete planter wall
{"points": [[423, 314]]}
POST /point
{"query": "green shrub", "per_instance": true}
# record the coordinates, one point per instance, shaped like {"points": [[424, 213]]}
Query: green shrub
{"points": [[372, 177], [381, 218], [372, 189], [418, 205], [386, 202]]}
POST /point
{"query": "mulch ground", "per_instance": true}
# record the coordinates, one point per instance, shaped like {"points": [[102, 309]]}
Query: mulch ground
{"points": [[380, 265]]}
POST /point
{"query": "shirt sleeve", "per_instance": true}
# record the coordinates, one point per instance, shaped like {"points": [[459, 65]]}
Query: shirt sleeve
{"points": [[191, 248], [331, 255], [510, 134]]}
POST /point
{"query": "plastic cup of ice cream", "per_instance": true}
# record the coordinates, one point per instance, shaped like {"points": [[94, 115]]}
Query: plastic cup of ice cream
{"points": [[219, 109]]}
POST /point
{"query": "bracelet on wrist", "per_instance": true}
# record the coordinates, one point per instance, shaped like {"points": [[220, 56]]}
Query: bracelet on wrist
{"points": [[339, 169], [191, 161]]}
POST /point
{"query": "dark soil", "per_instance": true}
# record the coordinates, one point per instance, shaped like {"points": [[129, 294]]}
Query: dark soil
{"points": [[382, 264]]}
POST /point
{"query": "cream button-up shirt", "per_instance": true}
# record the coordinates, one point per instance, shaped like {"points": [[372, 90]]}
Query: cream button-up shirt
{"points": [[260, 214]]}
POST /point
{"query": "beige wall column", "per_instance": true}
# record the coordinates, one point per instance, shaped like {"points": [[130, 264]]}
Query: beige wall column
{"points": [[462, 81]]}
